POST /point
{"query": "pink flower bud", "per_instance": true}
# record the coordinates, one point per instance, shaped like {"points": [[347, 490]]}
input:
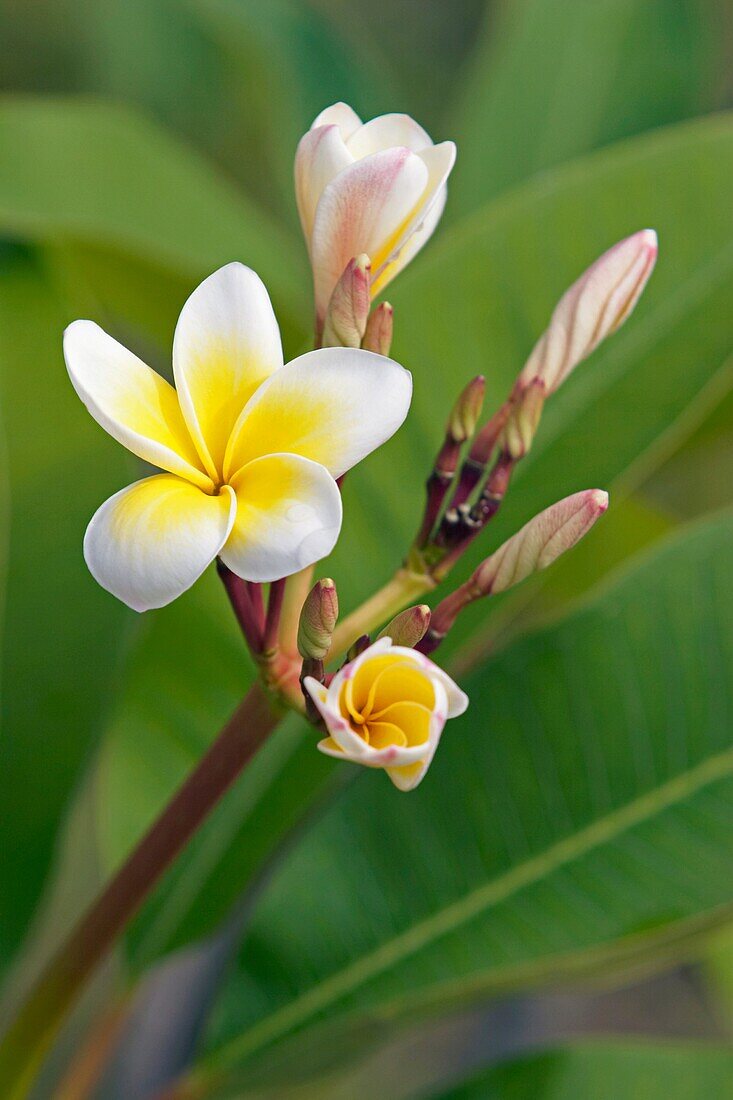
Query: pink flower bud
{"points": [[378, 335], [377, 187], [539, 542], [348, 309], [593, 308], [409, 627], [467, 410], [318, 620], [524, 418]]}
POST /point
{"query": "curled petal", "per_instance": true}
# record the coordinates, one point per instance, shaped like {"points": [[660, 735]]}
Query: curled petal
{"points": [[134, 404], [148, 543], [226, 344], [387, 132], [439, 160], [320, 156], [593, 308], [334, 406], [341, 115], [288, 517], [366, 208]]}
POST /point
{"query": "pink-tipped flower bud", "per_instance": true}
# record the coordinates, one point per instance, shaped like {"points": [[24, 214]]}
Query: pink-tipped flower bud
{"points": [[540, 542], [318, 620], [466, 412], [593, 308], [409, 627], [524, 418], [348, 309], [379, 328]]}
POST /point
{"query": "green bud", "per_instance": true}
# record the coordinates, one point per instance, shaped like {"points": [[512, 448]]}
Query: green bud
{"points": [[467, 410], [318, 620], [409, 627]]}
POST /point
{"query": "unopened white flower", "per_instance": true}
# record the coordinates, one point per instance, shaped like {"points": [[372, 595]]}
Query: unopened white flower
{"points": [[387, 709], [250, 448], [377, 187], [593, 308]]}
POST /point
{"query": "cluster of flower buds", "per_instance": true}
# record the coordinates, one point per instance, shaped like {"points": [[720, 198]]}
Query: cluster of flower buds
{"points": [[360, 707], [461, 501]]}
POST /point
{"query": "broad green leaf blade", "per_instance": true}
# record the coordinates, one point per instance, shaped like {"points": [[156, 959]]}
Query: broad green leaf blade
{"points": [[553, 79], [61, 635], [606, 1070], [103, 175], [288, 61], [583, 799]]}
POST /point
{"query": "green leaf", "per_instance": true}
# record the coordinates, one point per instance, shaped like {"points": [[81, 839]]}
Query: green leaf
{"points": [[61, 635], [553, 79], [582, 802], [103, 175], [607, 1070], [289, 61]]}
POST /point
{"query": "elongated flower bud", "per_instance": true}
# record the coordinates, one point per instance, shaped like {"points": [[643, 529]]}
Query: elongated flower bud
{"points": [[318, 620], [467, 410], [409, 627], [378, 335], [524, 418], [376, 187], [593, 308], [539, 542], [348, 309]]}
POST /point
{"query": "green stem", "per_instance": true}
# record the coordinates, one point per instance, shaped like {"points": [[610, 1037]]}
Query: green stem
{"points": [[31, 1034], [404, 587]]}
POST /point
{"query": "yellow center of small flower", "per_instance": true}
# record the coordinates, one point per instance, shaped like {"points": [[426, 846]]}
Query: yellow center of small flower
{"points": [[388, 701]]}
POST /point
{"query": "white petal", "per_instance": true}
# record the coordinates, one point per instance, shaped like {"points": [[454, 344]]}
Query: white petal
{"points": [[341, 115], [439, 161], [387, 132], [288, 517], [334, 406], [320, 156], [226, 344], [134, 404], [364, 209], [148, 543]]}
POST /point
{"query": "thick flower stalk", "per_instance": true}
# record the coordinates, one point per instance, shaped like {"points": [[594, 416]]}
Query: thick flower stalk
{"points": [[377, 188], [250, 448], [387, 709]]}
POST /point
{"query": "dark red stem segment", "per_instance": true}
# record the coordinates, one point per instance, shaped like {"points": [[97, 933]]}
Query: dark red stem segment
{"points": [[476, 464], [274, 610], [46, 1006], [437, 486], [245, 611]]}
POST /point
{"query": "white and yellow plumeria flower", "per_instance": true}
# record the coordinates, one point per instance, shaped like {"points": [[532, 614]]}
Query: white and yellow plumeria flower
{"points": [[250, 448], [387, 709], [377, 188]]}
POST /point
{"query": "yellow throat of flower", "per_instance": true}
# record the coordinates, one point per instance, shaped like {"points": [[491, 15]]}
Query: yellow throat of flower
{"points": [[388, 701]]}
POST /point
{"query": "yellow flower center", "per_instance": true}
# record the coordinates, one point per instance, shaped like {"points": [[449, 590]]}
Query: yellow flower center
{"points": [[388, 701]]}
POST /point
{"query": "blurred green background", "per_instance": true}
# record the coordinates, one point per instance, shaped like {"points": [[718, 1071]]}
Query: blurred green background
{"points": [[576, 827]]}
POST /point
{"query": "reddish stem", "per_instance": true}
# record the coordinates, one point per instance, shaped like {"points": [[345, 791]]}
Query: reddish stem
{"points": [[244, 610], [274, 610], [50, 999]]}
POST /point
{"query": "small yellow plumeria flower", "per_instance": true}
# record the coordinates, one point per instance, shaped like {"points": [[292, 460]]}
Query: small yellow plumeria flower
{"points": [[250, 448], [377, 188], [387, 709]]}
